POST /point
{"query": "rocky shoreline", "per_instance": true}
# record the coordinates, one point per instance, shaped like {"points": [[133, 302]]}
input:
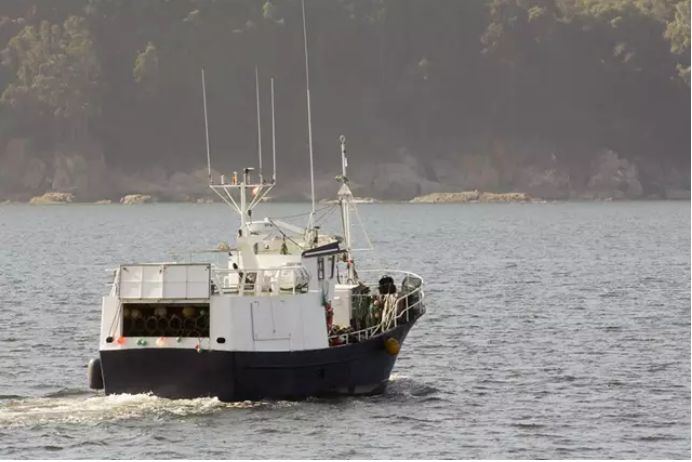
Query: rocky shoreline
{"points": [[503, 171], [469, 197], [488, 197], [474, 196]]}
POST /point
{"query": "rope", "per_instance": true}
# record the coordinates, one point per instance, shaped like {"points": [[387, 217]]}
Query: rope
{"points": [[390, 305], [326, 215], [376, 256], [111, 330], [303, 214], [283, 234]]}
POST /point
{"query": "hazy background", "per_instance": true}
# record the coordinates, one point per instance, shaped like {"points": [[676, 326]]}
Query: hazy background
{"points": [[557, 98]]}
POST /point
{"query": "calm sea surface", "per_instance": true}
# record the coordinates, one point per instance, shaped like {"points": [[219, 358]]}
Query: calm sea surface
{"points": [[553, 331]]}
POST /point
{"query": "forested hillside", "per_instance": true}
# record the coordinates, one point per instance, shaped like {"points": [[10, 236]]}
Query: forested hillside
{"points": [[558, 98]]}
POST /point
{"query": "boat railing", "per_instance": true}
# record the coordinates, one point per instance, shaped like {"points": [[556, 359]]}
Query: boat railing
{"points": [[216, 256], [396, 309], [114, 283], [282, 280]]}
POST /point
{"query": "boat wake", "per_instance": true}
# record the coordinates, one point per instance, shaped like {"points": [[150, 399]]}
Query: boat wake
{"points": [[72, 407], [402, 387], [69, 392], [76, 406]]}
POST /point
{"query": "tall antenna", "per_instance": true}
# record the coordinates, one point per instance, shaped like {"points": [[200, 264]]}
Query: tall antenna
{"points": [[307, 88], [273, 136], [206, 125], [259, 124], [344, 159]]}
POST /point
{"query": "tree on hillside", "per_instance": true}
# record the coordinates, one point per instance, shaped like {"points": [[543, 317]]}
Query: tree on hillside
{"points": [[56, 78], [678, 33], [436, 79]]}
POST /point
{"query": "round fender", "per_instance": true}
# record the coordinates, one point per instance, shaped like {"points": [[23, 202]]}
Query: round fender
{"points": [[95, 374], [391, 346]]}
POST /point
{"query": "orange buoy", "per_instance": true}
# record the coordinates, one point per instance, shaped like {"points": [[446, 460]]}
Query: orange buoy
{"points": [[391, 346]]}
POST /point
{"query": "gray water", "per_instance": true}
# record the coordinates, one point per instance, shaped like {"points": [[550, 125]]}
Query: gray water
{"points": [[553, 331]]}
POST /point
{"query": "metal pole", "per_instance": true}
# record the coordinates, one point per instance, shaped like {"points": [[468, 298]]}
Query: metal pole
{"points": [[206, 125], [259, 125], [273, 135], [307, 81], [344, 160]]}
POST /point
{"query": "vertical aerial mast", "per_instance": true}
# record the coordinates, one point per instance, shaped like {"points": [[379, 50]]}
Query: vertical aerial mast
{"points": [[259, 126], [307, 89], [206, 125], [345, 197], [250, 192], [273, 136]]}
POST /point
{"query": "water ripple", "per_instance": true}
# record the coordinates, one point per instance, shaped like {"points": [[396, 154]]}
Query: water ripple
{"points": [[552, 333]]}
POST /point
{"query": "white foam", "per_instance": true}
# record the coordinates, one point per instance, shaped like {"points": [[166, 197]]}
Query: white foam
{"points": [[394, 376], [34, 411]]}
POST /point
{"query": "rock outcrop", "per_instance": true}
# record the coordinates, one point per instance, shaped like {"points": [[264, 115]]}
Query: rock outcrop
{"points": [[53, 198], [473, 196], [133, 199]]}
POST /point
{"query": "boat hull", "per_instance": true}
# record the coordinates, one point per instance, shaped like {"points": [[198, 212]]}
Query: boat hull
{"points": [[355, 369]]}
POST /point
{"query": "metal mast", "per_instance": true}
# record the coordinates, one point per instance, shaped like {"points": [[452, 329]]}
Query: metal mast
{"points": [[307, 90], [345, 196]]}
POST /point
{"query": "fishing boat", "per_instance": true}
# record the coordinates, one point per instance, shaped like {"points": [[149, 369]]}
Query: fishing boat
{"points": [[286, 313]]}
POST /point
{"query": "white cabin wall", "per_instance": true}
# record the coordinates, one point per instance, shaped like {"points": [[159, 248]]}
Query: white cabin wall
{"points": [[221, 323], [274, 260], [342, 304], [310, 264], [273, 345], [295, 324], [292, 322], [241, 324], [289, 323], [314, 322]]}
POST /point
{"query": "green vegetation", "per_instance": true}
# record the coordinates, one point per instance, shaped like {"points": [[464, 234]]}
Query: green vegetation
{"points": [[434, 76]]}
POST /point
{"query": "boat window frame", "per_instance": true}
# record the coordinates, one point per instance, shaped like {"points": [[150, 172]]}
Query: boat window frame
{"points": [[320, 268]]}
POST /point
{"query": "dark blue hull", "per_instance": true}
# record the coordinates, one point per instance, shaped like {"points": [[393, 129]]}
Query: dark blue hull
{"points": [[355, 369]]}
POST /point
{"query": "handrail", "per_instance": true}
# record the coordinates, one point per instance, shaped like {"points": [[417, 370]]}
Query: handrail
{"points": [[371, 331], [115, 285], [385, 324], [257, 279], [386, 271]]}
